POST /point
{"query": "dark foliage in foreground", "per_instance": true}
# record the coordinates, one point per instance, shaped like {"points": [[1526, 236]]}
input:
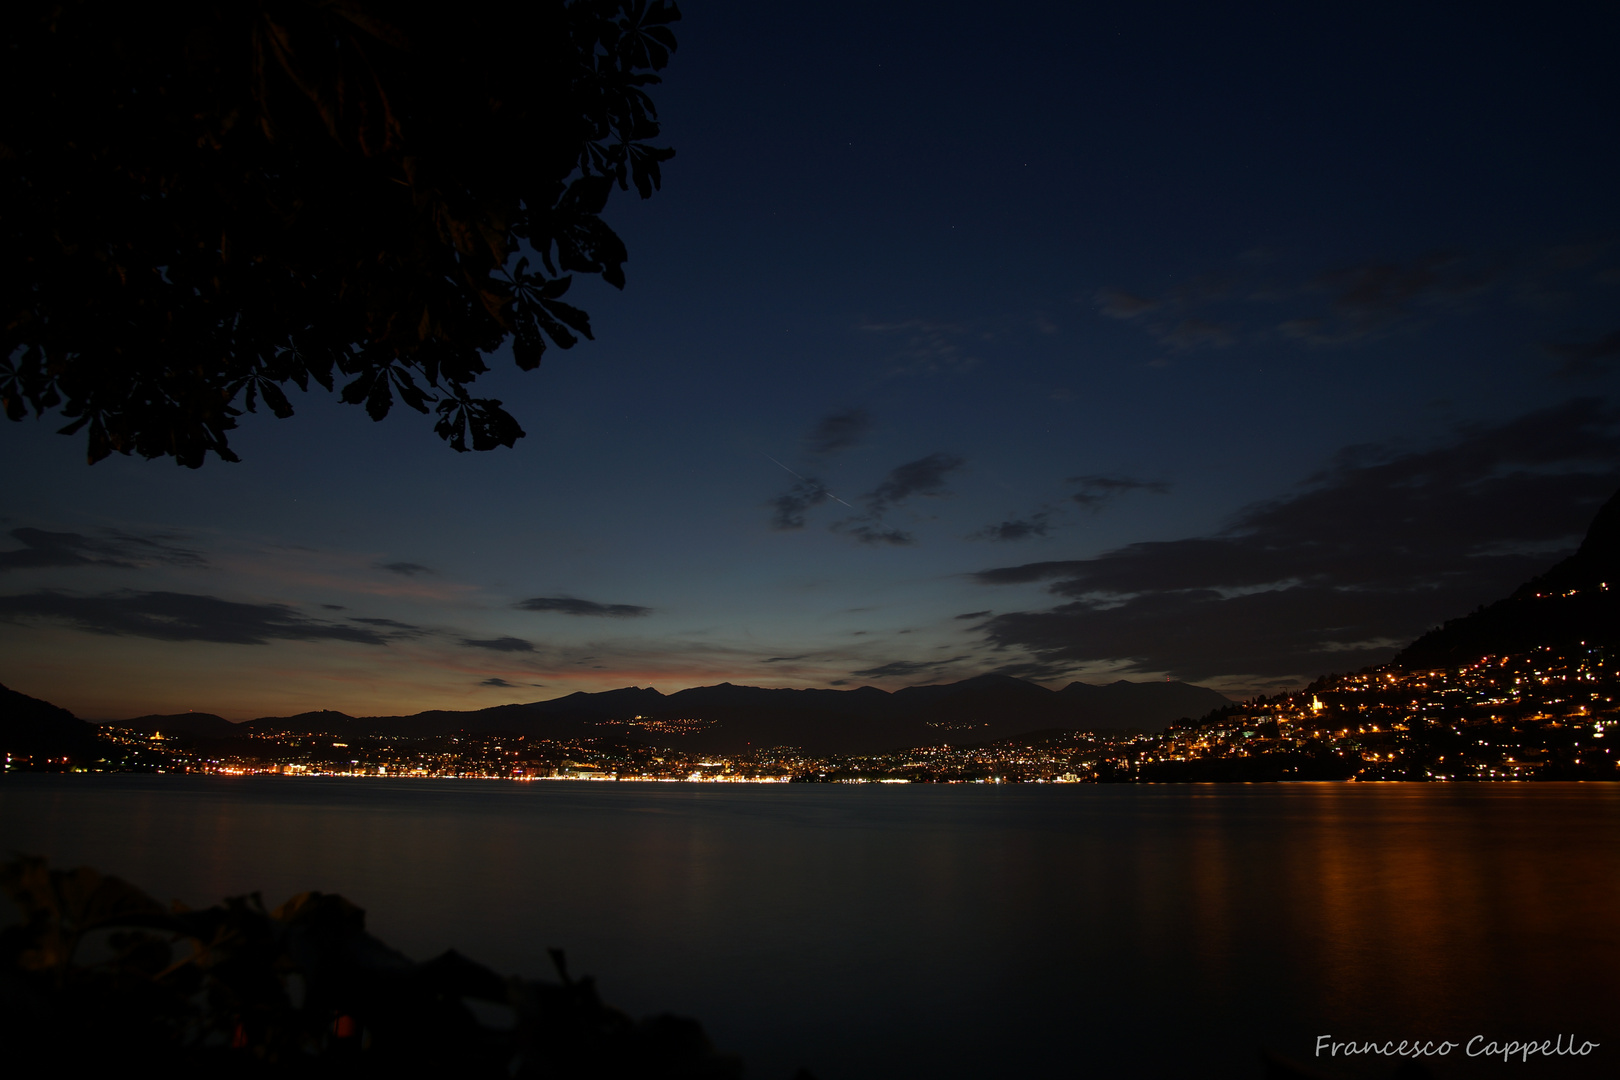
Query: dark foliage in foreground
{"points": [[202, 204], [301, 990]]}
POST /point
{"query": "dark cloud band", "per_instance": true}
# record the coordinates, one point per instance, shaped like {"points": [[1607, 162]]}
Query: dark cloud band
{"points": [[838, 431], [1367, 554], [1095, 491], [788, 509], [925, 476], [168, 616], [568, 605], [500, 644], [43, 550], [404, 569], [905, 668], [1014, 529]]}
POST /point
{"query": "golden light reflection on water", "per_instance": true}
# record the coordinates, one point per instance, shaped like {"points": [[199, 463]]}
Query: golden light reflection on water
{"points": [[1444, 910], [954, 929]]}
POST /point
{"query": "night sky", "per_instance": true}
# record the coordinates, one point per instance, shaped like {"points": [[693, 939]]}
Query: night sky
{"points": [[1231, 343]]}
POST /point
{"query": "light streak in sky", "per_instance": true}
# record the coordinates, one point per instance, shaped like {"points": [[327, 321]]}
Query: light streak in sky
{"points": [[824, 491]]}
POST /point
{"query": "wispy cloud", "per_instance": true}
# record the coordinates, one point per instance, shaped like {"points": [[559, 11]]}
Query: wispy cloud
{"points": [[1118, 304], [868, 532], [569, 605], [838, 431], [404, 569], [1014, 529], [170, 616], [124, 551], [789, 508], [907, 668], [401, 628], [1338, 306], [1096, 491], [1374, 297], [499, 644], [284, 568], [924, 476], [1187, 334], [832, 434], [1594, 357], [930, 348]]}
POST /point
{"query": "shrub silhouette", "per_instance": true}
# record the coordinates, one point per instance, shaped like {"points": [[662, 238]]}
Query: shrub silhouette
{"points": [[300, 990]]}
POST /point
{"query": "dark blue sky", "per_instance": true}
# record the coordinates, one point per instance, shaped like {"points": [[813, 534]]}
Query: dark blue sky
{"points": [[1233, 345]]}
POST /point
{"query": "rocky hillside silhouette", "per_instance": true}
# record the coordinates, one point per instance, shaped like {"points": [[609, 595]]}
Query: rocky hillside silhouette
{"points": [[38, 730], [1576, 601]]}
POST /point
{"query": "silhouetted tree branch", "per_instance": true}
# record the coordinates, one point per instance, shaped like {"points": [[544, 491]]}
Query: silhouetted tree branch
{"points": [[202, 203]]}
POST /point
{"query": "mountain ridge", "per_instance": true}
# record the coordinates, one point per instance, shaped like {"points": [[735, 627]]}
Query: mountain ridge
{"points": [[726, 717]]}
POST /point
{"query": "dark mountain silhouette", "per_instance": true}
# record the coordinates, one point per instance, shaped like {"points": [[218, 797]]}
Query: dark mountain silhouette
{"points": [[626, 700], [730, 719], [967, 699], [1576, 601], [201, 725], [1118, 703], [37, 729], [322, 720]]}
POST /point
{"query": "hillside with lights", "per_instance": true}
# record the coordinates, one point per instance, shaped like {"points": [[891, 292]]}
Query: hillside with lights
{"points": [[1522, 689]]}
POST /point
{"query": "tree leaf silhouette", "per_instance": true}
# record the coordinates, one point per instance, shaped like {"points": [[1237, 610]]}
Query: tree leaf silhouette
{"points": [[202, 204]]}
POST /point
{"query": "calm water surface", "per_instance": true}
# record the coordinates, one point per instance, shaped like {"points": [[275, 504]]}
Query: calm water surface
{"points": [[878, 930]]}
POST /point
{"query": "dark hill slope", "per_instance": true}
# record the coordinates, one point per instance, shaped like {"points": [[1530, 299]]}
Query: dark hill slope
{"points": [[1577, 600], [328, 721], [1125, 704], [200, 725], [37, 729]]}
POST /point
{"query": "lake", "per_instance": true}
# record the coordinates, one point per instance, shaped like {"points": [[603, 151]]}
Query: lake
{"points": [[944, 931]]}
